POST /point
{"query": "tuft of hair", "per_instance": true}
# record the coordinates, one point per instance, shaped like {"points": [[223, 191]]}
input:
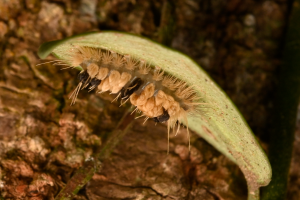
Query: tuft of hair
{"points": [[144, 68], [117, 60], [82, 53], [170, 82], [77, 60], [86, 52], [184, 91], [158, 74], [130, 63], [107, 57]]}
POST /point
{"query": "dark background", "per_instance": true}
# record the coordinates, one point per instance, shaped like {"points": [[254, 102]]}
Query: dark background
{"points": [[43, 140]]}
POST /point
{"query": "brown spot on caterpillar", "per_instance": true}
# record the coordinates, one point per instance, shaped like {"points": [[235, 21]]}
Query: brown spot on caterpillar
{"points": [[162, 118], [93, 84], [83, 76], [134, 86]]}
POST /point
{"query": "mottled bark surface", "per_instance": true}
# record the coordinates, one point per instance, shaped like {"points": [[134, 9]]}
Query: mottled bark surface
{"points": [[44, 140]]}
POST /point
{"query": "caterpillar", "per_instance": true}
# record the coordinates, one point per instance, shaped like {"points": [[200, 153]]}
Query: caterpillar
{"points": [[156, 94]]}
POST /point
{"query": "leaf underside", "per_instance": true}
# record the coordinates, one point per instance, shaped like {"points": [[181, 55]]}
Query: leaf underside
{"points": [[220, 123]]}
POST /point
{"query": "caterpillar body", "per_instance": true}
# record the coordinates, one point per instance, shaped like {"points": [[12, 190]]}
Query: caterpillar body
{"points": [[154, 93]]}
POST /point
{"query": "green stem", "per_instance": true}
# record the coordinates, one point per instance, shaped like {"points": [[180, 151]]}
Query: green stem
{"points": [[166, 29], [115, 137], [285, 111], [253, 193], [81, 177], [91, 166]]}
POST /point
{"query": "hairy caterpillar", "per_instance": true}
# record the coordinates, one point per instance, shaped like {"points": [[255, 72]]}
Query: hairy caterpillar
{"points": [[154, 93]]}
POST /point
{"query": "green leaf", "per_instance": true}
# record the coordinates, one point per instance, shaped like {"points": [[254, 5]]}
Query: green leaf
{"points": [[221, 124]]}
